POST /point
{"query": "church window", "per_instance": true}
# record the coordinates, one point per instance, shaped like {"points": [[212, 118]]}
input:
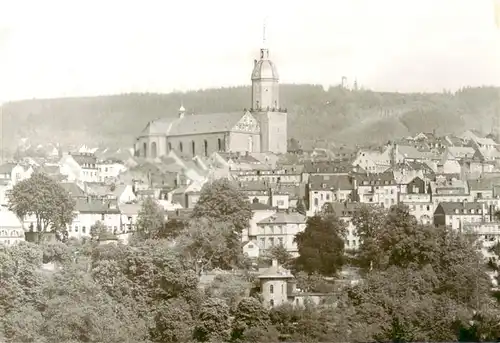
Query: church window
{"points": [[271, 289], [193, 148], [145, 150], [180, 146], [154, 151], [219, 144], [169, 147], [205, 147]]}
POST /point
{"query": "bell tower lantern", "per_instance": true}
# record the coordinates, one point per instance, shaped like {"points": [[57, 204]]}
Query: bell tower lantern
{"points": [[265, 82]]}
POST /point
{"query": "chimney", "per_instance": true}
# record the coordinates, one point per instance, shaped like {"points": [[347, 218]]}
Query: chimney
{"points": [[274, 263]]}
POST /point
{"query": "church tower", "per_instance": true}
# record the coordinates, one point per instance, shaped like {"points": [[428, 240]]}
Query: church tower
{"points": [[265, 103]]}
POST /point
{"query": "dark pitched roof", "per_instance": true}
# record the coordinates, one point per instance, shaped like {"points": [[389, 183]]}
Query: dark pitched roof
{"points": [[346, 209], [343, 166], [451, 208], [375, 179], [336, 182], [194, 124], [6, 168], [257, 206], [92, 205], [284, 218], [84, 159], [73, 189]]}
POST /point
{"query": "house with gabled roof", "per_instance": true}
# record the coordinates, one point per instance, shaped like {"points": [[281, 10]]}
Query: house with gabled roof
{"points": [[14, 172], [90, 210], [280, 229], [79, 167]]}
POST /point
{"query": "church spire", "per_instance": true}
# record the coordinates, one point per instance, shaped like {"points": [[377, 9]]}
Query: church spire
{"points": [[264, 51]]}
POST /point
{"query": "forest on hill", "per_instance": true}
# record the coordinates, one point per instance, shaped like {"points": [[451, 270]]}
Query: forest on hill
{"points": [[337, 115]]}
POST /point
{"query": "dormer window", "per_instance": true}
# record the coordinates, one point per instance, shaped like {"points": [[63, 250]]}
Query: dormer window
{"points": [[323, 185], [457, 211], [472, 210]]}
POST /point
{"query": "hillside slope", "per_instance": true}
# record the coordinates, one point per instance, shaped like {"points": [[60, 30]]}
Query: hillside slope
{"points": [[337, 115]]}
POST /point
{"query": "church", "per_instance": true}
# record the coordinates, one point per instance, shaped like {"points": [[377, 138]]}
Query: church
{"points": [[262, 128]]}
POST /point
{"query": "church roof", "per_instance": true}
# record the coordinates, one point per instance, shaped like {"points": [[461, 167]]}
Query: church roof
{"points": [[195, 124], [264, 68]]}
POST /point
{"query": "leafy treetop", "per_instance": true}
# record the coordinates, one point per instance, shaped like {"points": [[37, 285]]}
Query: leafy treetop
{"points": [[221, 201], [44, 198]]}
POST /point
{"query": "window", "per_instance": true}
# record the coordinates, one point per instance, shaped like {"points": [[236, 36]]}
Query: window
{"points": [[316, 202], [262, 243], [271, 302], [102, 216], [169, 147], [250, 246], [193, 148], [271, 241], [180, 146], [205, 147], [219, 144], [280, 241], [282, 288], [83, 229], [271, 289], [76, 228]]}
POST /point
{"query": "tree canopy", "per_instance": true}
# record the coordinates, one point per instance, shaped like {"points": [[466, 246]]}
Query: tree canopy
{"points": [[321, 246], [45, 199], [221, 202], [151, 219]]}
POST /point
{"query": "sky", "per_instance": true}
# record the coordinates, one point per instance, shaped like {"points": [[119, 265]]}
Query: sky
{"points": [[64, 48]]}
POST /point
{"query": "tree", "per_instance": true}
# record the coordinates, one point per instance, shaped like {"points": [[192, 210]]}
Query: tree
{"points": [[230, 288], [89, 314], [224, 203], [427, 284], [213, 321], [96, 230], [368, 221], [57, 252], [249, 314], [321, 246], [150, 220], [301, 207], [280, 254], [206, 244], [44, 198], [171, 230]]}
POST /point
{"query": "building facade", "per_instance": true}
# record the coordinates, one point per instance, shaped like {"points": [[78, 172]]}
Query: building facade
{"points": [[263, 128]]}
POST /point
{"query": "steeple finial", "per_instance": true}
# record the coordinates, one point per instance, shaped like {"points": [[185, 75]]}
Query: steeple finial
{"points": [[264, 32], [264, 52]]}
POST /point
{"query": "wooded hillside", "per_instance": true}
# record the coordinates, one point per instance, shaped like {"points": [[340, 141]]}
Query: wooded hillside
{"points": [[337, 115]]}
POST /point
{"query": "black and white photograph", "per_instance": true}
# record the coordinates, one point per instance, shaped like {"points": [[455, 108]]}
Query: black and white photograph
{"points": [[249, 171]]}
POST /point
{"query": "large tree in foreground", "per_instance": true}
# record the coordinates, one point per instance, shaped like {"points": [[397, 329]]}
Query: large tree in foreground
{"points": [[321, 246], [222, 202], [44, 198]]}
